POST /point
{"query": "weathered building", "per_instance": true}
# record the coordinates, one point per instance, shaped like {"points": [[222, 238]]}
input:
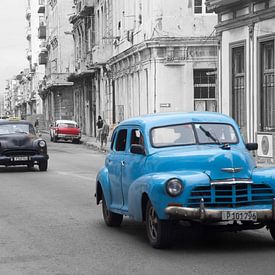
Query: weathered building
{"points": [[164, 57], [32, 103], [246, 71], [57, 56]]}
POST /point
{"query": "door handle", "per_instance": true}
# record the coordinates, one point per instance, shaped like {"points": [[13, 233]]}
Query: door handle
{"points": [[122, 163]]}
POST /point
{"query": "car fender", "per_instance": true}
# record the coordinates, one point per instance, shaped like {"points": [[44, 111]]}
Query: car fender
{"points": [[264, 175], [153, 185], [102, 181]]}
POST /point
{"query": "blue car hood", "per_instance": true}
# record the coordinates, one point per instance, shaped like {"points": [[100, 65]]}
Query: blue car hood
{"points": [[214, 161]]}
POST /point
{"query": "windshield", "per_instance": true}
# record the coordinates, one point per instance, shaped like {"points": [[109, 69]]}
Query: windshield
{"points": [[16, 128], [187, 134]]}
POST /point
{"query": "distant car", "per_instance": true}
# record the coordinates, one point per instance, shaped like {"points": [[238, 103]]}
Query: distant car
{"points": [[192, 167], [65, 130], [19, 145]]}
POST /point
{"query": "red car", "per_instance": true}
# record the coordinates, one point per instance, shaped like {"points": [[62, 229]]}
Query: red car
{"points": [[65, 130]]}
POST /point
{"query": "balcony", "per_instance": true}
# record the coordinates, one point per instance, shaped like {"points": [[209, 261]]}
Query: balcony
{"points": [[41, 6], [58, 79], [84, 6], [43, 58], [28, 13], [28, 34], [29, 54], [42, 32]]}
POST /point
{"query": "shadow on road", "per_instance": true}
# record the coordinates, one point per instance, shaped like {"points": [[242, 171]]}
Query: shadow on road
{"points": [[197, 240]]}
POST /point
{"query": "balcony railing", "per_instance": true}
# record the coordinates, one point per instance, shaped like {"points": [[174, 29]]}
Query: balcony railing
{"points": [[41, 6], [58, 79], [28, 33], [43, 58], [28, 13], [42, 32]]}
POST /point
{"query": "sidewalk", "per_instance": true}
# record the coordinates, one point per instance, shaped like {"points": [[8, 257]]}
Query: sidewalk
{"points": [[94, 144]]}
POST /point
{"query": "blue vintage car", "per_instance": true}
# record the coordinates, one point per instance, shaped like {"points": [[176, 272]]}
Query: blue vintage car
{"points": [[192, 167]]}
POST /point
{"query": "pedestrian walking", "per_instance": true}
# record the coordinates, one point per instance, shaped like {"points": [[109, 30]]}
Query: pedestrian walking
{"points": [[99, 125], [104, 134], [36, 124]]}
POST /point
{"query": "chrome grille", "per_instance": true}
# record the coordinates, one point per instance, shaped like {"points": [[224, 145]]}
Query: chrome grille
{"points": [[231, 195], [19, 152]]}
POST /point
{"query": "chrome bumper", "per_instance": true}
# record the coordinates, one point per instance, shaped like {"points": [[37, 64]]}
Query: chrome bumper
{"points": [[205, 214]]}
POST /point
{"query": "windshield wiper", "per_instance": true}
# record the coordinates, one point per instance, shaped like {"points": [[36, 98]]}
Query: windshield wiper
{"points": [[208, 134]]}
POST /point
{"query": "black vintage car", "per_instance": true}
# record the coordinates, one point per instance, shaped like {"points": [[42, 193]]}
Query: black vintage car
{"points": [[19, 145]]}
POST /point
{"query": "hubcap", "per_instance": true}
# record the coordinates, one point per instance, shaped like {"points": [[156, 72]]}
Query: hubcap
{"points": [[153, 223]]}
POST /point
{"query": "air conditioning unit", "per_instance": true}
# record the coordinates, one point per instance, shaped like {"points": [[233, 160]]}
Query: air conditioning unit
{"points": [[265, 143]]}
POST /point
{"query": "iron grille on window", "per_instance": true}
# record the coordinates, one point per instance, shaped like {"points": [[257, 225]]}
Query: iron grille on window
{"points": [[267, 86], [238, 88]]}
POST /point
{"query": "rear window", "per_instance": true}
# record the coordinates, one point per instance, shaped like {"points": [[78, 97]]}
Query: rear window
{"points": [[67, 125]]}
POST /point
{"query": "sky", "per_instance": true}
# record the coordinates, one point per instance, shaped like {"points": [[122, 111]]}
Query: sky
{"points": [[13, 43]]}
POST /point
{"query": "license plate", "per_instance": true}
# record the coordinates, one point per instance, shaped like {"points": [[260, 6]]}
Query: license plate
{"points": [[21, 158], [239, 216]]}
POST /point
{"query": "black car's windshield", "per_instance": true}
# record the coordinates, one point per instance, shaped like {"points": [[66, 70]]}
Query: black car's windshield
{"points": [[6, 129], [186, 134]]}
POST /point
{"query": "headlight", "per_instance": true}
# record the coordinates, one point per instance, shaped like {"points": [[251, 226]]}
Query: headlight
{"points": [[174, 187], [42, 143]]}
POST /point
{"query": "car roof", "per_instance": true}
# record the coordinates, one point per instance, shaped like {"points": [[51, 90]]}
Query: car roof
{"points": [[155, 120], [6, 121], [66, 121]]}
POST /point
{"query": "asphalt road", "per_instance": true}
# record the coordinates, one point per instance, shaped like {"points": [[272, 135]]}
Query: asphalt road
{"points": [[50, 224]]}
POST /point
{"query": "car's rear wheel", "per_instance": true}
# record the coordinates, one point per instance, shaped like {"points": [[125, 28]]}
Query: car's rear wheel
{"points": [[43, 165], [110, 218], [76, 140], [158, 231]]}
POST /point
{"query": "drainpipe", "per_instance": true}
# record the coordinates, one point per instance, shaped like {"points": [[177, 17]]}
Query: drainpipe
{"points": [[155, 85]]}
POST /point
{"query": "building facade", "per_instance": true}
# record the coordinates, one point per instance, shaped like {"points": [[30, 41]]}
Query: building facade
{"points": [[160, 62], [246, 74], [57, 57]]}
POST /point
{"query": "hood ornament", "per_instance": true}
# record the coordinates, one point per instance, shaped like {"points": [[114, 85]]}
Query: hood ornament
{"points": [[232, 170]]}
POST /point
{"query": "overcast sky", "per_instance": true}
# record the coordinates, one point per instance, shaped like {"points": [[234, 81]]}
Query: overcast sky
{"points": [[13, 39]]}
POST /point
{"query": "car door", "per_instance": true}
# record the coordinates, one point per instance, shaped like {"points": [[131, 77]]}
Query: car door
{"points": [[133, 165], [114, 163]]}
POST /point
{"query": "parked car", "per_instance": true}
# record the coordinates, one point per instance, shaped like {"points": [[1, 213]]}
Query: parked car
{"points": [[19, 145], [65, 130], [193, 167]]}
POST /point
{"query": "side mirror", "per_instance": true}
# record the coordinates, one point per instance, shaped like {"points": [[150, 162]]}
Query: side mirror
{"points": [[251, 146], [137, 149]]}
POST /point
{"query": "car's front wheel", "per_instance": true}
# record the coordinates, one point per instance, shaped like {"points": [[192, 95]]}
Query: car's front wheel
{"points": [[272, 230], [158, 231], [43, 165], [110, 218]]}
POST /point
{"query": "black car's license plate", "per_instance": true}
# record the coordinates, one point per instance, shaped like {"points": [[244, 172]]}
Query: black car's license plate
{"points": [[21, 158], [239, 216]]}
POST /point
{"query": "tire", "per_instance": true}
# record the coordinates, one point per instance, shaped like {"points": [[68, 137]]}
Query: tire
{"points": [[76, 141], [30, 165], [43, 165], [272, 230], [110, 218], [159, 232]]}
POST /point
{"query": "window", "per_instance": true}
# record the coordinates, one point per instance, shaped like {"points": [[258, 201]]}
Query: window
{"points": [[137, 137], [267, 92], [121, 140], [238, 87], [198, 6], [205, 90]]}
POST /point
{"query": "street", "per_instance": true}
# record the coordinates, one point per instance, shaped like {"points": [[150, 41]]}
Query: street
{"points": [[50, 224]]}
